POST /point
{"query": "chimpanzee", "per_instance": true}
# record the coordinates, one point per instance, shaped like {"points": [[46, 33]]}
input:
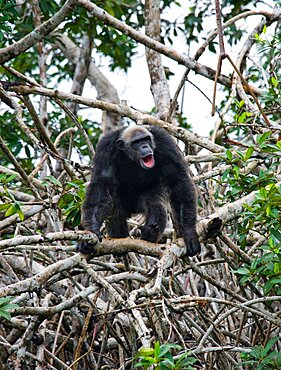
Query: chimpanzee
{"points": [[140, 169]]}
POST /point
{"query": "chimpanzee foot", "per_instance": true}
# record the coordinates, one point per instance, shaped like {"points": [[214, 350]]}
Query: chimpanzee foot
{"points": [[88, 247], [150, 232]]}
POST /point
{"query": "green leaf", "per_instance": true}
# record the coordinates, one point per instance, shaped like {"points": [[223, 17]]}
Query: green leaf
{"points": [[167, 365], [267, 287], [75, 184], [10, 306], [145, 364], [276, 281], [270, 344], [6, 315], [165, 348], [267, 209], [185, 360], [236, 172], [5, 180], [241, 103], [145, 352], [225, 174], [10, 195], [249, 153], [52, 180], [242, 117], [138, 364], [19, 211], [244, 279], [242, 271], [262, 138], [263, 193], [241, 155], [150, 360], [276, 234], [65, 200], [5, 306], [274, 81], [11, 210], [4, 206], [229, 154], [157, 349], [5, 300], [21, 215], [81, 194]]}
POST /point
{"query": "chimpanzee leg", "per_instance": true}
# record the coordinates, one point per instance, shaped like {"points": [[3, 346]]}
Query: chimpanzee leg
{"points": [[183, 204], [153, 206], [116, 223]]}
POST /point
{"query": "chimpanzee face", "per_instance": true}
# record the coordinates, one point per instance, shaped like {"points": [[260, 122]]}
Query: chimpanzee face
{"points": [[138, 144]]}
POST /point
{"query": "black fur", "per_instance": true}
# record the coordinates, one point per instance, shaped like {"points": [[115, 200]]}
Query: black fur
{"points": [[120, 186]]}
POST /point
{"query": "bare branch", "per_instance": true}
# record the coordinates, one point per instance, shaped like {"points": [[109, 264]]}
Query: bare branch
{"points": [[124, 110], [159, 85]]}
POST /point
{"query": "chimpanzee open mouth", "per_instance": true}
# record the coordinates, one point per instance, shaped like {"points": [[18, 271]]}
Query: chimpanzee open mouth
{"points": [[148, 161]]}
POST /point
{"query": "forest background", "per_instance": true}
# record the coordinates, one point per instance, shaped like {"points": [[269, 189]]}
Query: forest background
{"points": [[72, 71]]}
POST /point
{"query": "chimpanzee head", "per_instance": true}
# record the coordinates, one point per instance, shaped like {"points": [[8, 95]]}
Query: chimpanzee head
{"points": [[138, 144]]}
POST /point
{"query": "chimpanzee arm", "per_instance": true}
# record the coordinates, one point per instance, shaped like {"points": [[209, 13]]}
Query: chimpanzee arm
{"points": [[183, 204], [96, 206], [98, 201]]}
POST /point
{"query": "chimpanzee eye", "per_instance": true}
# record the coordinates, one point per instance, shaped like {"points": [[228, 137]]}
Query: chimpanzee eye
{"points": [[135, 143], [146, 139]]}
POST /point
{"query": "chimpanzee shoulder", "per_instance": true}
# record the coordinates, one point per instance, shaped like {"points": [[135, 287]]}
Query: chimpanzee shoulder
{"points": [[105, 152], [166, 144]]}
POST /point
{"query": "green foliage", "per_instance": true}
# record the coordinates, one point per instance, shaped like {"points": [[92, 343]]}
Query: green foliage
{"points": [[272, 96], [264, 215], [11, 209], [242, 116], [109, 42], [6, 178], [52, 180], [71, 201], [6, 306], [270, 43], [262, 358], [48, 7], [183, 122], [121, 53], [193, 22], [200, 10], [240, 183], [160, 358], [11, 137], [10, 205], [269, 48], [7, 14], [266, 267], [17, 142]]}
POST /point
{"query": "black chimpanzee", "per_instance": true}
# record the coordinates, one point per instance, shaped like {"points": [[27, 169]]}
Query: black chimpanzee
{"points": [[140, 169]]}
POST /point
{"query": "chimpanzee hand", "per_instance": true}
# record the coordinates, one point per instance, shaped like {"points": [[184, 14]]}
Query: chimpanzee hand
{"points": [[191, 242]]}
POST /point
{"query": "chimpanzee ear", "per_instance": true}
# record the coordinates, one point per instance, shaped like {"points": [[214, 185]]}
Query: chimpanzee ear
{"points": [[120, 144]]}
